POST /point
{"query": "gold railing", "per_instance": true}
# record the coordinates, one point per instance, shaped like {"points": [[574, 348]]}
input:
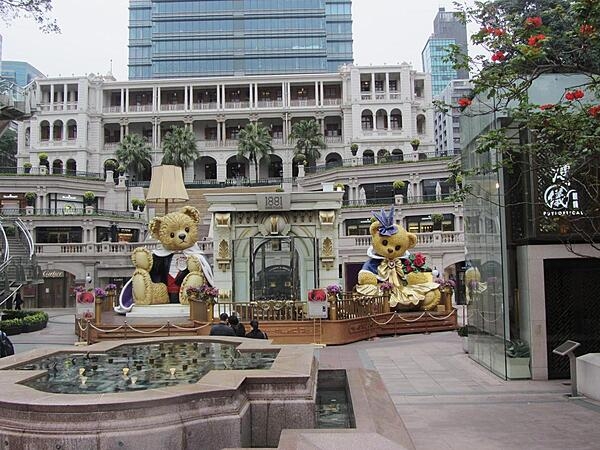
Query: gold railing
{"points": [[349, 305], [263, 310]]}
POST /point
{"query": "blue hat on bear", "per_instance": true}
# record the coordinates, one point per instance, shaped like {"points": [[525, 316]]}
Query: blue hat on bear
{"points": [[387, 224]]}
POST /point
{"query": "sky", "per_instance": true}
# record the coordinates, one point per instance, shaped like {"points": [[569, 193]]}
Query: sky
{"points": [[94, 35]]}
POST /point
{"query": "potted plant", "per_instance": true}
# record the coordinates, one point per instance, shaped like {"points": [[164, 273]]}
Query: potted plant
{"points": [[279, 189], [437, 221], [110, 164], [44, 164], [354, 149], [88, 198], [415, 144], [135, 203], [27, 167], [339, 186], [141, 204], [121, 169], [517, 363], [30, 198], [398, 186]]}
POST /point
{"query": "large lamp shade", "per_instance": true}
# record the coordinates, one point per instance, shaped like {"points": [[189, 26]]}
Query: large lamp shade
{"points": [[167, 185]]}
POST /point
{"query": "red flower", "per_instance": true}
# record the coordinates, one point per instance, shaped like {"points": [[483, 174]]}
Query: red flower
{"points": [[498, 32], [407, 268], [317, 295], [594, 111], [492, 30], [546, 106], [574, 95], [419, 259], [498, 56], [586, 29], [536, 40], [534, 22], [464, 102]]}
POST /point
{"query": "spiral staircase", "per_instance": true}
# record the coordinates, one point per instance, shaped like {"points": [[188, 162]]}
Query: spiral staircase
{"points": [[18, 265]]}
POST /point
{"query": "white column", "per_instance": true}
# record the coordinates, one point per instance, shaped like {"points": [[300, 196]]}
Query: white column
{"points": [[321, 91], [126, 99], [186, 99], [283, 99], [289, 97], [122, 100], [317, 99], [218, 98], [221, 171], [373, 85], [389, 117], [65, 95], [256, 95], [218, 133], [387, 86], [154, 102], [158, 99], [251, 94], [223, 97], [51, 97]]}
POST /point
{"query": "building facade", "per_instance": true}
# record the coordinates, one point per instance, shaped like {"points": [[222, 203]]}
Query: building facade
{"points": [[175, 39], [19, 72], [447, 120], [369, 116], [447, 30]]}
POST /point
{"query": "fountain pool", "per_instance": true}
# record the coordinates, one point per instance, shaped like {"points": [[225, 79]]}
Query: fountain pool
{"points": [[266, 389]]}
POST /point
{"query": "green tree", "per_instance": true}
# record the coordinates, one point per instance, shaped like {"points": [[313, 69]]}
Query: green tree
{"points": [[254, 143], [179, 147], [524, 40], [8, 149], [38, 10], [309, 140], [133, 152]]}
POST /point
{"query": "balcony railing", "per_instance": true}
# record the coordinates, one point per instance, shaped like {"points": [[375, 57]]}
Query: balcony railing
{"points": [[173, 107], [270, 103], [98, 248], [52, 172], [333, 139], [140, 108], [332, 101], [204, 105], [433, 239], [67, 212], [112, 109], [237, 105], [385, 201], [300, 103]]}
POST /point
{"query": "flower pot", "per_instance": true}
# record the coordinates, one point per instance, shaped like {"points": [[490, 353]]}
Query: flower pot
{"points": [[27, 169], [142, 207]]}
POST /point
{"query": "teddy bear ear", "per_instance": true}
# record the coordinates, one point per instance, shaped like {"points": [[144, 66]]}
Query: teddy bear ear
{"points": [[191, 212], [412, 239], [154, 227]]}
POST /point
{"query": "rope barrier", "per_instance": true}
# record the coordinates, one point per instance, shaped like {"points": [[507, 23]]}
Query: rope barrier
{"points": [[410, 321], [80, 327], [441, 318], [105, 331], [147, 332], [191, 329], [383, 323]]}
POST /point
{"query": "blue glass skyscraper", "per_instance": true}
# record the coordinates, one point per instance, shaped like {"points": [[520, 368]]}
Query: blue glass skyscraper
{"points": [[191, 38], [447, 29]]}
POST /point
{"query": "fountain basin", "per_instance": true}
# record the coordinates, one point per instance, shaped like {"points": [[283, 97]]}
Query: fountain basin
{"points": [[224, 408]]}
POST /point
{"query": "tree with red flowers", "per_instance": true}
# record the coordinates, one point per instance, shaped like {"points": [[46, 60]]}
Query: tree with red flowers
{"points": [[522, 41]]}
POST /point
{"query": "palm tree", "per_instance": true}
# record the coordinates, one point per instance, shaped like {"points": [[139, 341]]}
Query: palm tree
{"points": [[309, 140], [179, 147], [254, 141], [134, 154]]}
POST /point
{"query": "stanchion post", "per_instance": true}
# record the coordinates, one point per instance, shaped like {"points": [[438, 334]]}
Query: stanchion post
{"points": [[125, 326], [88, 331], [168, 328]]}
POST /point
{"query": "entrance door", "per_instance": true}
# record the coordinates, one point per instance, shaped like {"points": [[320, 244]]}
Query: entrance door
{"points": [[272, 265], [571, 309]]}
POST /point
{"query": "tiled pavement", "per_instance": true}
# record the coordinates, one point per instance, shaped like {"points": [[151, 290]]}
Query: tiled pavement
{"points": [[446, 400]]}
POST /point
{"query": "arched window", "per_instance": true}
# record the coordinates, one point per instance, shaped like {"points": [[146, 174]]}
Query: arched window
{"points": [[367, 120], [57, 130], [421, 124], [383, 156], [71, 129], [71, 167], [44, 130], [368, 157], [333, 160], [381, 119], [57, 167], [397, 155], [396, 119]]}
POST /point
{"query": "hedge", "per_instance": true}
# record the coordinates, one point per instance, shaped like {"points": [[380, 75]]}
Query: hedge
{"points": [[15, 322]]}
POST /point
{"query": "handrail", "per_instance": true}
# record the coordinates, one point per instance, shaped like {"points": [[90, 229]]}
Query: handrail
{"points": [[6, 247], [19, 223], [10, 296]]}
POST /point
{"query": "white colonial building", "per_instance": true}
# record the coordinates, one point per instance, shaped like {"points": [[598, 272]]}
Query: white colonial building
{"points": [[378, 123]]}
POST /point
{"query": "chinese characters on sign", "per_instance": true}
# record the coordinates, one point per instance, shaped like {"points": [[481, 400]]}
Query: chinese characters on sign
{"points": [[560, 197]]}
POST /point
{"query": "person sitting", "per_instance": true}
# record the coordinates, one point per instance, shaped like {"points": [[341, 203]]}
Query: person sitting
{"points": [[256, 333], [221, 328], [238, 327]]}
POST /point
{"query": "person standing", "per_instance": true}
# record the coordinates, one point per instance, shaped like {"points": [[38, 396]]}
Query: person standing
{"points": [[18, 301], [256, 332], [222, 328]]}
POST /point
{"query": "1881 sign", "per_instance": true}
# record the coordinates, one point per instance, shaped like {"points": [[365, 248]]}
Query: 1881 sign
{"points": [[273, 202]]}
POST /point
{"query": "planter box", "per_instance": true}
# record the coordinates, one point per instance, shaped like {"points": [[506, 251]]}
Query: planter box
{"points": [[518, 368], [43, 170], [29, 211]]}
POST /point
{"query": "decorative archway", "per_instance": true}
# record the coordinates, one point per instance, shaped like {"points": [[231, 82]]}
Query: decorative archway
{"points": [[237, 167], [421, 122], [71, 167], [44, 130], [71, 129], [381, 119], [333, 160], [57, 167], [57, 130], [397, 155], [368, 157], [366, 120], [383, 156], [396, 119], [205, 168]]}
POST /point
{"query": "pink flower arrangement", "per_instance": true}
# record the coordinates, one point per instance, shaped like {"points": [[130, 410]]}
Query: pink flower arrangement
{"points": [[207, 290], [99, 292], [445, 283], [317, 295], [111, 287], [386, 286]]}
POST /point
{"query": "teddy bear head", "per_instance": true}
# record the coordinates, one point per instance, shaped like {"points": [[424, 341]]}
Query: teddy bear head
{"points": [[177, 230], [390, 240]]}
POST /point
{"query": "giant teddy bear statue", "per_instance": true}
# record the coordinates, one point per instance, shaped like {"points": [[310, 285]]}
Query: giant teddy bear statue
{"points": [[410, 280], [163, 275]]}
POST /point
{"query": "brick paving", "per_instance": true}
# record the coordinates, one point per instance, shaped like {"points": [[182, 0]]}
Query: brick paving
{"points": [[446, 400]]}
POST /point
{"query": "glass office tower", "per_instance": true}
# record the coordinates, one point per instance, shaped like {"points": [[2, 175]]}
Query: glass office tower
{"points": [[191, 38], [447, 29]]}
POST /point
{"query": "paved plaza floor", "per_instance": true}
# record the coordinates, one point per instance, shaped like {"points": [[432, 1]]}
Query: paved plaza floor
{"points": [[446, 400]]}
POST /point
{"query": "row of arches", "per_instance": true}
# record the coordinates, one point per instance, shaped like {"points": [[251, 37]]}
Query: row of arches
{"points": [[55, 131], [58, 167], [382, 121]]}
